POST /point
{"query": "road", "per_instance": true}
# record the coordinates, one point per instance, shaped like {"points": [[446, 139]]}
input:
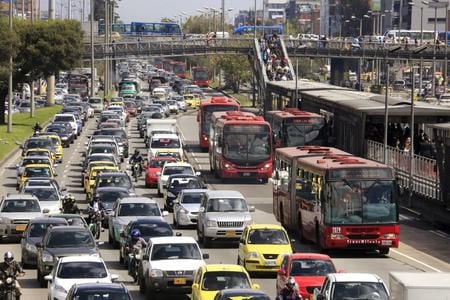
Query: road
{"points": [[423, 248]]}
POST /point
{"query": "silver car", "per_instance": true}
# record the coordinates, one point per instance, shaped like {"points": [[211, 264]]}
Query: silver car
{"points": [[186, 207], [223, 215]]}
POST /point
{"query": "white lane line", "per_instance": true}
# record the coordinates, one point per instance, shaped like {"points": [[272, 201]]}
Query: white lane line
{"points": [[416, 260], [440, 233]]}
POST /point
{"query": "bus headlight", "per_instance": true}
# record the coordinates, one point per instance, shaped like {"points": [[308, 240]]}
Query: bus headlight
{"points": [[337, 236], [389, 236], [228, 166], [265, 167]]}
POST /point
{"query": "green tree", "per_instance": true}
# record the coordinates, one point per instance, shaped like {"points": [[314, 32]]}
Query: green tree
{"points": [[236, 69], [197, 24]]}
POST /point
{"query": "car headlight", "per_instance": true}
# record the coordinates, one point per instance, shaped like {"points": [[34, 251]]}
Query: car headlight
{"points": [[389, 236], [31, 248], [59, 288], [251, 255], [184, 211], [47, 257], [156, 273], [211, 223]]}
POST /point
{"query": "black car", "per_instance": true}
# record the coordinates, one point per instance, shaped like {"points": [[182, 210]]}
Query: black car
{"points": [[178, 182], [104, 291], [107, 196], [114, 179], [35, 232], [65, 133], [149, 227], [60, 242]]}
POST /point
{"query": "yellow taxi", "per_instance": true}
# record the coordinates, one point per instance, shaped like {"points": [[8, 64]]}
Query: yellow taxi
{"points": [[57, 144], [96, 163], [40, 152], [262, 247], [209, 279], [89, 180], [192, 100], [117, 103], [169, 153], [35, 170]]}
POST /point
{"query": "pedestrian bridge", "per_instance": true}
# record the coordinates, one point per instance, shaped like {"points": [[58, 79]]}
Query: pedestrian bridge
{"points": [[295, 48]]}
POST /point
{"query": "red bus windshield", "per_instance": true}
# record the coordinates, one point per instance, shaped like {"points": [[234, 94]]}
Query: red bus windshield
{"points": [[247, 144], [200, 75], [302, 131], [207, 112], [178, 69]]}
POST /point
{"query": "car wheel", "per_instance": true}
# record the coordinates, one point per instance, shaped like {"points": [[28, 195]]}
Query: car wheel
{"points": [[42, 281], [175, 223], [121, 260]]}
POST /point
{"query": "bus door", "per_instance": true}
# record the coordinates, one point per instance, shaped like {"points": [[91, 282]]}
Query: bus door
{"points": [[308, 193], [277, 132], [281, 190]]}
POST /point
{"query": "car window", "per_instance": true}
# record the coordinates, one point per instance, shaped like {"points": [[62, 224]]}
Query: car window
{"points": [[165, 143], [221, 280], [153, 230], [267, 237], [16, 205], [40, 229], [359, 290], [175, 251], [226, 205], [82, 270], [115, 181], [69, 239], [311, 267], [101, 295], [172, 170], [139, 209], [37, 172], [43, 194], [192, 198], [181, 183]]}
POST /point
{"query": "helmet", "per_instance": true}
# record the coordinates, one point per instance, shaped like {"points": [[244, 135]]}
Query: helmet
{"points": [[8, 257], [136, 151], [290, 282], [135, 234]]}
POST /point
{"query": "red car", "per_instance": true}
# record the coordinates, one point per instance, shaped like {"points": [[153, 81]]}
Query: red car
{"points": [[308, 270], [131, 108], [153, 169]]}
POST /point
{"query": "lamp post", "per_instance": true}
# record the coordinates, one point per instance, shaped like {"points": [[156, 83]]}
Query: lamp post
{"points": [[254, 29], [10, 77], [91, 20]]}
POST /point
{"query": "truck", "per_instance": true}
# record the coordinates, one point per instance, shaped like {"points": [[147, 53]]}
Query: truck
{"points": [[419, 286], [159, 126]]}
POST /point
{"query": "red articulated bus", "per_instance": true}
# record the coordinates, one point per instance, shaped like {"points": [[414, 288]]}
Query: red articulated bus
{"points": [[179, 69], [207, 108], [200, 76], [240, 146], [335, 199], [293, 127]]}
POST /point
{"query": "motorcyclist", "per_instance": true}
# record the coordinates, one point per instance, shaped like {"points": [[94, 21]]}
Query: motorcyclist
{"points": [[94, 206], [136, 158], [69, 205], [37, 128], [9, 267], [290, 291], [136, 245]]}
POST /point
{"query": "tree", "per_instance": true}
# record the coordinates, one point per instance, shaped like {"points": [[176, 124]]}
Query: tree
{"points": [[236, 69], [197, 24]]}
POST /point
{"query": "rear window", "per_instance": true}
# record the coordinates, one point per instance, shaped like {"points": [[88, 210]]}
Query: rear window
{"points": [[64, 119]]}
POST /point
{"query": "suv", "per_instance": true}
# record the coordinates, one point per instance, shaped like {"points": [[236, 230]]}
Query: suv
{"points": [[223, 215], [63, 241], [168, 265], [15, 213]]}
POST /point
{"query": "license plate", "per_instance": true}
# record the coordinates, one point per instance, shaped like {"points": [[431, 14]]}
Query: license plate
{"points": [[230, 233], [21, 227], [245, 174], [271, 263], [386, 242], [179, 281]]}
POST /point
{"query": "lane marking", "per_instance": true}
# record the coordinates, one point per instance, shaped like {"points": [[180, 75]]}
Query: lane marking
{"points": [[416, 260], [440, 233]]}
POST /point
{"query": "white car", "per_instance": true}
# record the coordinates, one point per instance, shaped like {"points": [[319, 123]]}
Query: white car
{"points": [[67, 118], [173, 106], [76, 269], [165, 142], [119, 110], [48, 196], [172, 169], [337, 286], [169, 264], [186, 207]]}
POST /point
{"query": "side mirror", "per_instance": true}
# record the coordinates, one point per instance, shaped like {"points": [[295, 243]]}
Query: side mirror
{"points": [[198, 173], [255, 286], [205, 256], [145, 257], [195, 286], [165, 213], [48, 277], [282, 272], [114, 277], [178, 234], [46, 211], [251, 209]]}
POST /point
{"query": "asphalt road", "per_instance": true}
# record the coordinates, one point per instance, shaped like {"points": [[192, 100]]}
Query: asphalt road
{"points": [[423, 248]]}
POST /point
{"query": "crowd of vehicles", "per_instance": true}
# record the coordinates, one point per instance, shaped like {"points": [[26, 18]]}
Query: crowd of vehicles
{"points": [[327, 195]]}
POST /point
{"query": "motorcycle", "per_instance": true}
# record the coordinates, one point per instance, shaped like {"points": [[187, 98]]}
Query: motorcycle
{"points": [[95, 224], [134, 258], [8, 287], [137, 171]]}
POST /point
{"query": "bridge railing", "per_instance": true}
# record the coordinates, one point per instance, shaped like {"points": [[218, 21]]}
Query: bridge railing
{"points": [[425, 171]]}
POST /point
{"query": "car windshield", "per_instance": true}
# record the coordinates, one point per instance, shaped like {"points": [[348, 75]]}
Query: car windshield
{"points": [[57, 129], [311, 267], [192, 198], [18, 206], [139, 209], [37, 172], [103, 149], [175, 155], [37, 153], [108, 198], [43, 194], [70, 239], [82, 269], [101, 295], [359, 290], [114, 132], [63, 119], [172, 170], [40, 229], [32, 161], [221, 280], [153, 230], [361, 202], [42, 143], [95, 100], [175, 251], [268, 237], [226, 205], [165, 143], [115, 181], [157, 163], [188, 183]]}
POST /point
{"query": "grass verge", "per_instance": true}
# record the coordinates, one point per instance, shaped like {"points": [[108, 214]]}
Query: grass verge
{"points": [[22, 127], [243, 99]]}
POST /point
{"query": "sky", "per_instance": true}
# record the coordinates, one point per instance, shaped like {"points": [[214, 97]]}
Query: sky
{"points": [[154, 10]]}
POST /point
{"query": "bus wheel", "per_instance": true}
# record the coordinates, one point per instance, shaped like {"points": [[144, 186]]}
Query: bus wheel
{"points": [[319, 239]]}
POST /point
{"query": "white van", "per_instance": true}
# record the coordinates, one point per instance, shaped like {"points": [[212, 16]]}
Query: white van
{"points": [[165, 142]]}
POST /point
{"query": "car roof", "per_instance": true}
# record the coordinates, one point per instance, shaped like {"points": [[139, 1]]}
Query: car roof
{"points": [[79, 258], [20, 197], [192, 191], [46, 220], [265, 226], [164, 136], [137, 200], [223, 267], [70, 228], [173, 240], [224, 193], [239, 292], [309, 256], [97, 286], [354, 277], [177, 164]]}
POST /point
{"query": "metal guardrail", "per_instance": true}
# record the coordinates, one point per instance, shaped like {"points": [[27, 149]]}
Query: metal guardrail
{"points": [[308, 48], [425, 171]]}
